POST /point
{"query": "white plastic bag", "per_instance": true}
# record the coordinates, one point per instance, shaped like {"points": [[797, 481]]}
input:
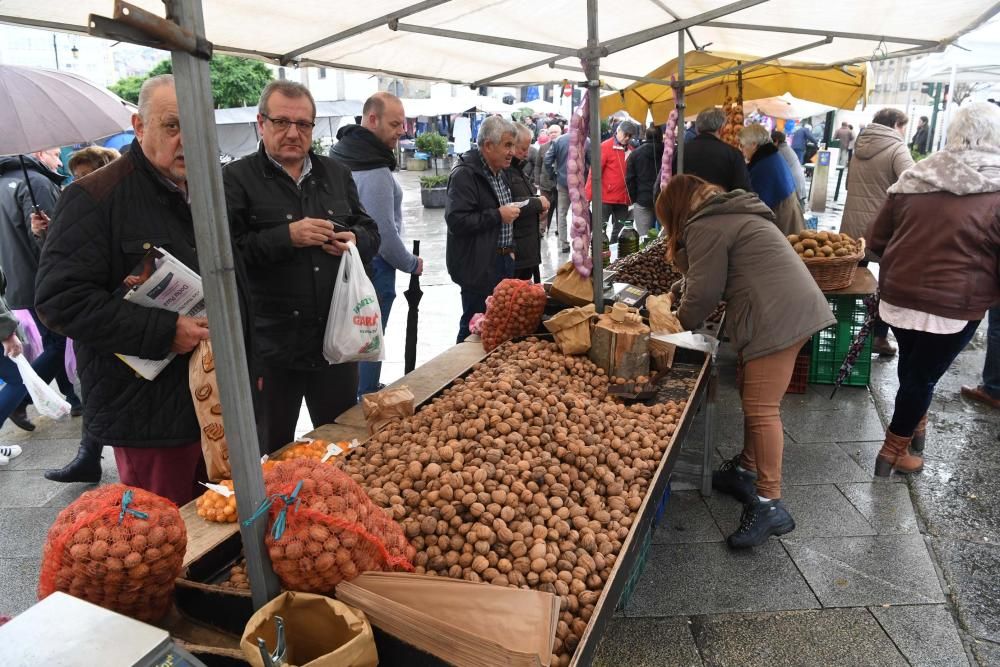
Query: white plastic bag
{"points": [[354, 325], [47, 401]]}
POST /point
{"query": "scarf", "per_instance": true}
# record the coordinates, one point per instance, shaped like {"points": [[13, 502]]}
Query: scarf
{"points": [[965, 172], [360, 150]]}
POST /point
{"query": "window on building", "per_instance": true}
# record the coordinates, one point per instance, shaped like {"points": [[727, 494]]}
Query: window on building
{"points": [[281, 73], [322, 72]]}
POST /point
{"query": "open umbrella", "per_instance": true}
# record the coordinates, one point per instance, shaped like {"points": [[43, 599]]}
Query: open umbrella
{"points": [[412, 294], [871, 310], [41, 108]]}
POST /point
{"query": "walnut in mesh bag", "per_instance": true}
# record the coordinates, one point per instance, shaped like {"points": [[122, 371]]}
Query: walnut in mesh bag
{"points": [[515, 309]]}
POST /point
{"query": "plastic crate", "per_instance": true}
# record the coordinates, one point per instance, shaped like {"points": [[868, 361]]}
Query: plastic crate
{"points": [[636, 573], [662, 507], [830, 346]]}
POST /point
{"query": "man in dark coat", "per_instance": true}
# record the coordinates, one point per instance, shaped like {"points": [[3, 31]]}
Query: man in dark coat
{"points": [[546, 183], [19, 252], [293, 212], [103, 227], [527, 233], [642, 175], [480, 215], [709, 157]]}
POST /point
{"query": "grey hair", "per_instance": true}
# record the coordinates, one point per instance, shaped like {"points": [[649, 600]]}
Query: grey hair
{"points": [[291, 89], [710, 120], [754, 135], [493, 129], [146, 91], [522, 130], [975, 126]]}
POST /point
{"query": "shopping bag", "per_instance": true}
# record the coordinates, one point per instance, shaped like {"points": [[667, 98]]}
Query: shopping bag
{"points": [[31, 341], [208, 409], [319, 632], [47, 401], [571, 288], [354, 325], [571, 329]]}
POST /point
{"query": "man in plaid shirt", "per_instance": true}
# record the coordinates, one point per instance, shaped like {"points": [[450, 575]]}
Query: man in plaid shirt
{"points": [[480, 216]]}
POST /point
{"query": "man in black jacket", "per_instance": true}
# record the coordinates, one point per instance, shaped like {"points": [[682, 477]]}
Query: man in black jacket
{"points": [[711, 158], [293, 213], [480, 218], [103, 227], [642, 175]]}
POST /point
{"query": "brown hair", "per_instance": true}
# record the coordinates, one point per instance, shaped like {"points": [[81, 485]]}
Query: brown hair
{"points": [[682, 196], [95, 156], [288, 89], [892, 118]]}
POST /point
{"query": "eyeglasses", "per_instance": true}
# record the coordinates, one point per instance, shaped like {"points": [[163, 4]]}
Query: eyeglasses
{"points": [[282, 124]]}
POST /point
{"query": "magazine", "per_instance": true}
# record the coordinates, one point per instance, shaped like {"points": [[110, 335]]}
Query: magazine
{"points": [[160, 280]]}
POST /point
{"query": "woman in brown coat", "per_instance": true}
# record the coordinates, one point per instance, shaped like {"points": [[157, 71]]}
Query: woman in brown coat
{"points": [[880, 156], [732, 251]]}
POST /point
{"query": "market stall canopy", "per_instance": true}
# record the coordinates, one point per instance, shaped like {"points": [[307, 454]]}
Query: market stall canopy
{"points": [[834, 87], [785, 107], [446, 106], [974, 60], [237, 126], [507, 45]]}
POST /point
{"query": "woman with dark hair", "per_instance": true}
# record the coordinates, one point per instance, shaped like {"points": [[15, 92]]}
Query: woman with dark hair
{"points": [[880, 156], [939, 238], [729, 249]]}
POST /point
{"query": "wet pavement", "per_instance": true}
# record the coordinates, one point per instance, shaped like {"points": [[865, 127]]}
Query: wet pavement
{"points": [[897, 572]]}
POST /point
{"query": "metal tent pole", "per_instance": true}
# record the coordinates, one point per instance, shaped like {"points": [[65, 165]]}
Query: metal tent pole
{"points": [[681, 127], [217, 267], [591, 65]]}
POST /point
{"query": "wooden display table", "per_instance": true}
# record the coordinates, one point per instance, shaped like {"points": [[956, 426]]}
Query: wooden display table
{"points": [[864, 283]]}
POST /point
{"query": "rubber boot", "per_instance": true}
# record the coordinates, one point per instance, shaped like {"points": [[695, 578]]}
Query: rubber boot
{"points": [[86, 467], [894, 455], [919, 436]]}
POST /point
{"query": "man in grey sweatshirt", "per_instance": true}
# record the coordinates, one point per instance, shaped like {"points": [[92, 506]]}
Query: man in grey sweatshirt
{"points": [[368, 151]]}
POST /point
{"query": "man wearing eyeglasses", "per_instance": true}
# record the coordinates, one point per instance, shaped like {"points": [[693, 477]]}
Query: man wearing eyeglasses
{"points": [[293, 212]]}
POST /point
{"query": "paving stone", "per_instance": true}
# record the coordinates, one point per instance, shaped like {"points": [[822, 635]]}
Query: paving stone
{"points": [[819, 511], [804, 464], [709, 578], [686, 520], [959, 501], [23, 531], [647, 642], [825, 637], [886, 507], [26, 488], [987, 653], [864, 454], [18, 584], [924, 634], [973, 571], [864, 571], [44, 454], [848, 425]]}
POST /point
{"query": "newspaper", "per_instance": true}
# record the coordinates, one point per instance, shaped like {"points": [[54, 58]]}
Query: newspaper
{"points": [[162, 281]]}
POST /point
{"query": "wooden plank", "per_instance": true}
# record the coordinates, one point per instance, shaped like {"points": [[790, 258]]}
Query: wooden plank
{"points": [[202, 536], [427, 379], [338, 433], [864, 283]]}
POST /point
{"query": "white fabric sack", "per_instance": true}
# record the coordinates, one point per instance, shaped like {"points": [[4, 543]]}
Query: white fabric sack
{"points": [[47, 400], [354, 325]]}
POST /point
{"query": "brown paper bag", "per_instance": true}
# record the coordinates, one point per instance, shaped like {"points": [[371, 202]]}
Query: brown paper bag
{"points": [[208, 408], [571, 288], [571, 329], [319, 632], [382, 407]]}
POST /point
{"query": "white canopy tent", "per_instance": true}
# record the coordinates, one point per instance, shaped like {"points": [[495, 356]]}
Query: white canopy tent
{"points": [[237, 127], [445, 106]]}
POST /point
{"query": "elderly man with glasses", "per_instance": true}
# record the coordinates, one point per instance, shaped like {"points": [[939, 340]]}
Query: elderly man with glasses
{"points": [[293, 212]]}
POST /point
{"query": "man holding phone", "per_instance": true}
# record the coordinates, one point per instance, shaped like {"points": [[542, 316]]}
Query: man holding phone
{"points": [[293, 214]]}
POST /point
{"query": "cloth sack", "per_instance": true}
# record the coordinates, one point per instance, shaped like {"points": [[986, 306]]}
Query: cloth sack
{"points": [[571, 288], [208, 409], [354, 325]]}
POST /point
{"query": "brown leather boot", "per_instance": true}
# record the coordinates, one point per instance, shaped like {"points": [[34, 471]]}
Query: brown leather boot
{"points": [[894, 456], [919, 436]]}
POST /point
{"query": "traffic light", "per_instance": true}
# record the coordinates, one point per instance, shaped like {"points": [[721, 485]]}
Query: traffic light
{"points": [[927, 89]]}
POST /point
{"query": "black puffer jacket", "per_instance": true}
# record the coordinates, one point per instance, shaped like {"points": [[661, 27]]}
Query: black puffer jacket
{"points": [[527, 245], [642, 171], [19, 249], [292, 287], [473, 218], [102, 228]]}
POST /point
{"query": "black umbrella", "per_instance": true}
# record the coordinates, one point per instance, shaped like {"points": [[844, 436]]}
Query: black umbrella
{"points": [[871, 306], [413, 295]]}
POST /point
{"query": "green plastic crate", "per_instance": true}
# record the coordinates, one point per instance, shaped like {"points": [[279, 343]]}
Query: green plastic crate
{"points": [[636, 573], [830, 346]]}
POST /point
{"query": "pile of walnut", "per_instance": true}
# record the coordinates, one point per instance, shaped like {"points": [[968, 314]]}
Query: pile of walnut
{"points": [[647, 268], [809, 243], [237, 577], [523, 474]]}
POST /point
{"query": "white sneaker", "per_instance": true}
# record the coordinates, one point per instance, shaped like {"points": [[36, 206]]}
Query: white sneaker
{"points": [[10, 452], [4, 460]]}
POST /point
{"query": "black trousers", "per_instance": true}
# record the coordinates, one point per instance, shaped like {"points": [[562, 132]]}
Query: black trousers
{"points": [[328, 391]]}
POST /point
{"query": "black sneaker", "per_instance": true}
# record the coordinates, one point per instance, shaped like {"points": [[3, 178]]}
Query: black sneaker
{"points": [[760, 520], [740, 484]]}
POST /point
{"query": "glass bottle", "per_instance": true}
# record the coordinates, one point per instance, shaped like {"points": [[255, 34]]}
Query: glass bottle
{"points": [[605, 248], [628, 240]]}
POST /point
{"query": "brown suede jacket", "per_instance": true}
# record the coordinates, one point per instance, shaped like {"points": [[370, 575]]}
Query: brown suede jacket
{"points": [[940, 253]]}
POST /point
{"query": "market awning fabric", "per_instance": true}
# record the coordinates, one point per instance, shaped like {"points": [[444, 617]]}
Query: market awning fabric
{"points": [[326, 32], [838, 87]]}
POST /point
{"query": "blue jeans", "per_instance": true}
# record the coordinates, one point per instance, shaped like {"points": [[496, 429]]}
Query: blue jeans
{"points": [[801, 154], [923, 359], [384, 282], [51, 363], [474, 300], [991, 370], [13, 391]]}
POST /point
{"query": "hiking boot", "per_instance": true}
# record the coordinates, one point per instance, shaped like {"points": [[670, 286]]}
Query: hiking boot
{"points": [[919, 436], [895, 455], [20, 419], [761, 519], [883, 347], [738, 483], [86, 467]]}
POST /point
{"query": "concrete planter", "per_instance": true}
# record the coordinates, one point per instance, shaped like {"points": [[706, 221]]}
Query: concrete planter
{"points": [[434, 197], [415, 164]]}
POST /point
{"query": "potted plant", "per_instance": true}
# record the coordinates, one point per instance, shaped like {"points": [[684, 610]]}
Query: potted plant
{"points": [[433, 190]]}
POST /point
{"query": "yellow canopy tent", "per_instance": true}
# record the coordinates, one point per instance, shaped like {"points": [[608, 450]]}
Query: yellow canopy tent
{"points": [[838, 87]]}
